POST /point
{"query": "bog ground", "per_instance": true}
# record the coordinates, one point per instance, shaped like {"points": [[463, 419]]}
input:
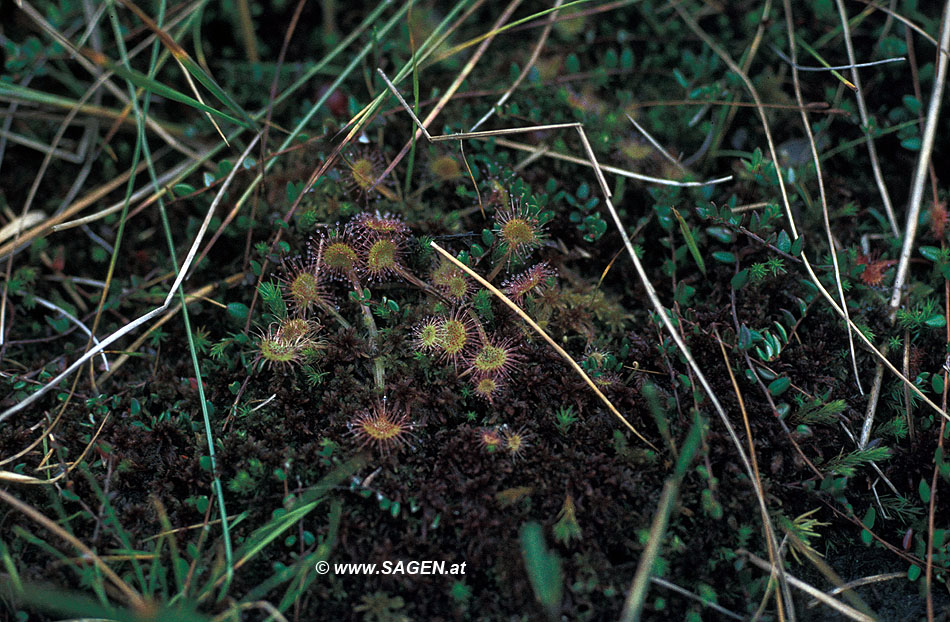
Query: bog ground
{"points": [[474, 311]]}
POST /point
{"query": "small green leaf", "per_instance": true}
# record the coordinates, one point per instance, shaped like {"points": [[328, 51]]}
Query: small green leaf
{"points": [[183, 189], [796, 249], [930, 252], [923, 489], [724, 257], [626, 59], [936, 381], [202, 503], [238, 310], [784, 242], [780, 385], [740, 279], [936, 321], [723, 234], [913, 573], [572, 64], [690, 242], [912, 104], [745, 337], [911, 144]]}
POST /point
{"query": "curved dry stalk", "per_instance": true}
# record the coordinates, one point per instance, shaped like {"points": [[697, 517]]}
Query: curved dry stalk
{"points": [[920, 173], [656, 145], [826, 220], [72, 318], [613, 170], [534, 326], [775, 555], [873, 63], [814, 592], [684, 350], [878, 578], [527, 67], [172, 292], [863, 110], [788, 211], [134, 598]]}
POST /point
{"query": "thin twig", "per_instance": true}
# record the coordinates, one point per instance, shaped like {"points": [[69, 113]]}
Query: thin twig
{"points": [[865, 121], [557, 348], [786, 203], [873, 63], [806, 123], [69, 316], [172, 292], [920, 174], [526, 70], [835, 604]]}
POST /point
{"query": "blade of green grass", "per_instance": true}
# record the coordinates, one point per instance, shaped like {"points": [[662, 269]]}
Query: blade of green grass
{"points": [[308, 501], [189, 65], [544, 569], [636, 598], [158, 88], [690, 242], [461, 46], [77, 605], [825, 64]]}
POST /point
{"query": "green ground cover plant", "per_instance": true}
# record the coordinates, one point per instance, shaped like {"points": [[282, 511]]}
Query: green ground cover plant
{"points": [[585, 310]]}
